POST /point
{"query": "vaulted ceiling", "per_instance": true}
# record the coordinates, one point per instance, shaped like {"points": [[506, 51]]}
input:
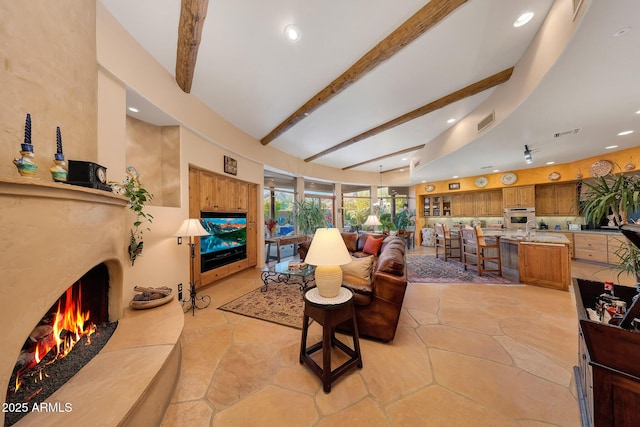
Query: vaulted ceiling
{"points": [[371, 83]]}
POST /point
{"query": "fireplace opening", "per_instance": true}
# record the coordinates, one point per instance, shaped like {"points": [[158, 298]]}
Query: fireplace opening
{"points": [[68, 336], [227, 241]]}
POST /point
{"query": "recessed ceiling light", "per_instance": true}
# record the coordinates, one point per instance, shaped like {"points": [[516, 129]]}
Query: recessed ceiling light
{"points": [[523, 19], [133, 109], [609, 147], [622, 31], [404, 159], [455, 176], [638, 112], [401, 170], [626, 132], [451, 121], [496, 170], [292, 33], [423, 181], [550, 163]]}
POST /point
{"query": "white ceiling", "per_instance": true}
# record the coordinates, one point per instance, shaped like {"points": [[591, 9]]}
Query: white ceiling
{"points": [[252, 76]]}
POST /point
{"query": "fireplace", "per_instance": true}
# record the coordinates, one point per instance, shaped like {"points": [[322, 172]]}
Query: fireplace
{"points": [[52, 235], [71, 332]]}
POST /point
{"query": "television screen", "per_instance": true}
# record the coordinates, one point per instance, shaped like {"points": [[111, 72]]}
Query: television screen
{"points": [[228, 231]]}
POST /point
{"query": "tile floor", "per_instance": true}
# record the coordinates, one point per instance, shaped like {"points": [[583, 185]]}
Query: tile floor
{"points": [[463, 355]]}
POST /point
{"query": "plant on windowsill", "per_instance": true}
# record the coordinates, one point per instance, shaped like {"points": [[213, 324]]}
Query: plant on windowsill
{"points": [[138, 196], [614, 196]]}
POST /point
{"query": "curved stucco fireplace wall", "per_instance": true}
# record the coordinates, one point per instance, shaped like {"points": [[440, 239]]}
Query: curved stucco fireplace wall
{"points": [[51, 235]]}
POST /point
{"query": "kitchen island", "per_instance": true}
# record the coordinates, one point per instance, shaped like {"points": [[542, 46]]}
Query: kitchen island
{"points": [[540, 259]]}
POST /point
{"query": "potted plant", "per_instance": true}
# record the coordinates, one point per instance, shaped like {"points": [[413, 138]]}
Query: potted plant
{"points": [[309, 216], [614, 196], [138, 196]]}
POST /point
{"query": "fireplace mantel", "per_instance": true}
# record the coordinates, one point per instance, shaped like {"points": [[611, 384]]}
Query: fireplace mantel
{"points": [[34, 187]]}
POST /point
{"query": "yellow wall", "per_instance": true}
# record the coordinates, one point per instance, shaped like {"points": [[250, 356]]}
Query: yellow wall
{"points": [[567, 171]]}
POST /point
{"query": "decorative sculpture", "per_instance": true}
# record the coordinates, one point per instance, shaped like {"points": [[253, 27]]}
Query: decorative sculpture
{"points": [[59, 171], [26, 166]]}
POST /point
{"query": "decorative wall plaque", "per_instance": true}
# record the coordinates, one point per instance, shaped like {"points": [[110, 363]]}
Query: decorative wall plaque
{"points": [[230, 165]]}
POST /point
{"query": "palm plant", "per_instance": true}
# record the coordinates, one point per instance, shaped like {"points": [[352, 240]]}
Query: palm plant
{"points": [[614, 196], [309, 216]]}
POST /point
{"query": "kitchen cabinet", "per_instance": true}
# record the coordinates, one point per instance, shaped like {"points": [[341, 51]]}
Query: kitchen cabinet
{"points": [[590, 246], [616, 246], [488, 203], [556, 199], [463, 204], [544, 264], [519, 197]]}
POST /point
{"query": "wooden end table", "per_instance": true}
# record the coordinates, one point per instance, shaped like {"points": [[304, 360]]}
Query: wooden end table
{"points": [[329, 312]]}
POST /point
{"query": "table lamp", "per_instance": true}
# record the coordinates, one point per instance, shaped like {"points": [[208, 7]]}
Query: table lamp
{"points": [[192, 228], [373, 221], [328, 252]]}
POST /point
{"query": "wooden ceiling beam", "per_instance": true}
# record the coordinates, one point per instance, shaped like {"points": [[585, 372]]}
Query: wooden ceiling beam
{"points": [[424, 19], [466, 92], [386, 156], [192, 15]]}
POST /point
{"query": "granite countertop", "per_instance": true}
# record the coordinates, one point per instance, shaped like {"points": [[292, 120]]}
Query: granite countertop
{"points": [[535, 237]]}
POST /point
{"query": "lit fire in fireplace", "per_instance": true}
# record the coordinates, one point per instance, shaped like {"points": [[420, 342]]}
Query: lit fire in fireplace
{"points": [[68, 326]]}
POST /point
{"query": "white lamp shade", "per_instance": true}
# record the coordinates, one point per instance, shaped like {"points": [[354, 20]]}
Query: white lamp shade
{"points": [[372, 220], [191, 227], [327, 248]]}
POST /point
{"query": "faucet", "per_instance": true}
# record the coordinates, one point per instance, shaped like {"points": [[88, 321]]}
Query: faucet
{"points": [[528, 233]]}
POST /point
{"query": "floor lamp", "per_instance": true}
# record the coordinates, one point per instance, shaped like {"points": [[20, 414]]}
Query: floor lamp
{"points": [[192, 228]]}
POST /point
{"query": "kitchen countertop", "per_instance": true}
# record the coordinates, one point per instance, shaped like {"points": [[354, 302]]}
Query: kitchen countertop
{"points": [[535, 237]]}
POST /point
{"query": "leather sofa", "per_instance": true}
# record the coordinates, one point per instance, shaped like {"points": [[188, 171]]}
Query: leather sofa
{"points": [[378, 295]]}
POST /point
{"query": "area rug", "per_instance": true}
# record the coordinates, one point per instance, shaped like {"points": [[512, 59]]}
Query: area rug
{"points": [[429, 269], [282, 303]]}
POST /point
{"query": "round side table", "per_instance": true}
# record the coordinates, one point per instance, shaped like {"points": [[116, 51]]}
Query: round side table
{"points": [[329, 312]]}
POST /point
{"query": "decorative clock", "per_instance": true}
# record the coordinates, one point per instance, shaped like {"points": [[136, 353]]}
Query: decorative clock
{"points": [[429, 188], [87, 174]]}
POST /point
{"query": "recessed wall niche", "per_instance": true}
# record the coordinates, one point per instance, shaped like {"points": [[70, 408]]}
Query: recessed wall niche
{"points": [[155, 152]]}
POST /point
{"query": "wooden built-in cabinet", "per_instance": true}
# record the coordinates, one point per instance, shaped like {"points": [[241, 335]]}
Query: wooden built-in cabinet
{"points": [[480, 203], [209, 191], [556, 199], [519, 197], [598, 247]]}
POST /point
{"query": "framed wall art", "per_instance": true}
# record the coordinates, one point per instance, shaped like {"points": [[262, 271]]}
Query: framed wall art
{"points": [[454, 186], [230, 165]]}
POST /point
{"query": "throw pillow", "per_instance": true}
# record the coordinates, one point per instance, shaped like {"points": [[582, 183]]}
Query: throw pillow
{"points": [[359, 267], [372, 245]]}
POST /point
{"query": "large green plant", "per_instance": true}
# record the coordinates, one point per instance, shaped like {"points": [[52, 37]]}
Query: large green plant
{"points": [[309, 216], [614, 196]]}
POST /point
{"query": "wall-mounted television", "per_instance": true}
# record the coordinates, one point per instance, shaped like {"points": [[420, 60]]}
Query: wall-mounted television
{"points": [[227, 241]]}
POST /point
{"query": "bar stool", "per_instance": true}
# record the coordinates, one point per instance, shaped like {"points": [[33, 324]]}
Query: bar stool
{"points": [[329, 312]]}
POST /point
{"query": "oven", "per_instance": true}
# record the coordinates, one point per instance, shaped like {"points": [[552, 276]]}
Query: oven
{"points": [[515, 218]]}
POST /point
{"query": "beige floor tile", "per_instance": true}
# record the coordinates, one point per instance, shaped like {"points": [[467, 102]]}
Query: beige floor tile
{"points": [[465, 342], [270, 406], [436, 406], [464, 354]]}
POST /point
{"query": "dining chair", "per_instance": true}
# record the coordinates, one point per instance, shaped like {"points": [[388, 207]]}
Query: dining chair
{"points": [[479, 248], [448, 241]]}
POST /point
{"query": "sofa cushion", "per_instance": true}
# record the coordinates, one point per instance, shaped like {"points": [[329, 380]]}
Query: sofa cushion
{"points": [[391, 261], [351, 241], [359, 268], [372, 245]]}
